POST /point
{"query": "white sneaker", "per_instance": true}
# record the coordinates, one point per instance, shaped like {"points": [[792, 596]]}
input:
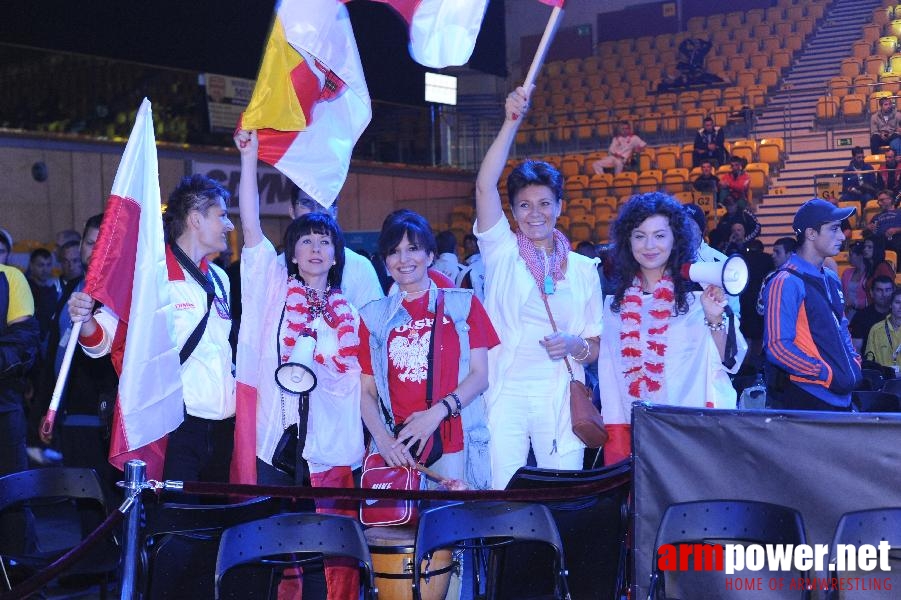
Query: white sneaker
{"points": [[36, 455]]}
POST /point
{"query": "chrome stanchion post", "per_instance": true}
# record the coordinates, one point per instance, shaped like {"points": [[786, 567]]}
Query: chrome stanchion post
{"points": [[135, 480]]}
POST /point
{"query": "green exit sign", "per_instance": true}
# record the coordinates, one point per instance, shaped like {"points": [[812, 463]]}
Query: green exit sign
{"points": [[843, 142]]}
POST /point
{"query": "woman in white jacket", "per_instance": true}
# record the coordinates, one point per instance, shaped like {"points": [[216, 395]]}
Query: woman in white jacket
{"points": [[663, 342], [528, 393]]}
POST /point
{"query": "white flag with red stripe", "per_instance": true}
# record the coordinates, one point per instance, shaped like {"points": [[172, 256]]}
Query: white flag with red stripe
{"points": [[128, 275]]}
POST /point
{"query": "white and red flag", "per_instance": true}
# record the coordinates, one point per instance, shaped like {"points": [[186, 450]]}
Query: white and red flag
{"points": [[442, 32], [128, 275], [310, 103]]}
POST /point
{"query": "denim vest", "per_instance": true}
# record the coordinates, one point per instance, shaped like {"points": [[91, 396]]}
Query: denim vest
{"points": [[381, 317]]}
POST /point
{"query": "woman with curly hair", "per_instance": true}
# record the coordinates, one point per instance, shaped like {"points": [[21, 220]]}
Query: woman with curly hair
{"points": [[663, 341], [529, 273]]}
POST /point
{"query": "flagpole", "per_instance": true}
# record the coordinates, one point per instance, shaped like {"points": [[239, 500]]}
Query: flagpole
{"points": [[549, 32], [49, 418]]}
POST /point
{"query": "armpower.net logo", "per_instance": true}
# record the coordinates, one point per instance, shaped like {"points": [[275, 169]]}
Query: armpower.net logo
{"points": [[741, 563]]}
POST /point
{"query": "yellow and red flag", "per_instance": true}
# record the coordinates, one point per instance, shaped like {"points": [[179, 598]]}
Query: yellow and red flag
{"points": [[310, 103]]}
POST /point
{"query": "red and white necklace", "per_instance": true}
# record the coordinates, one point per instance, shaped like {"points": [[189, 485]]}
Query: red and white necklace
{"points": [[303, 305], [643, 360]]}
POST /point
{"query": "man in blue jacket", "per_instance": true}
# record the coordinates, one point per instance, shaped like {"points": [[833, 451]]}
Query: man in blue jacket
{"points": [[811, 363]]}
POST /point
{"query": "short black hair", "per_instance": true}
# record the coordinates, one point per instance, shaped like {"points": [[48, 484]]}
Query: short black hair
{"points": [[92, 223], [194, 192], [446, 242], [788, 244], [405, 222], [67, 245], [40, 253], [321, 224], [881, 279], [856, 150], [534, 172]]}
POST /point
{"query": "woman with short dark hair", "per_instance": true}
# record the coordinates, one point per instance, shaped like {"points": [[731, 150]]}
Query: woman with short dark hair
{"points": [[529, 273], [396, 336]]}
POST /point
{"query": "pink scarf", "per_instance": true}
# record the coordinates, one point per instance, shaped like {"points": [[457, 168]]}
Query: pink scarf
{"points": [[535, 258]]}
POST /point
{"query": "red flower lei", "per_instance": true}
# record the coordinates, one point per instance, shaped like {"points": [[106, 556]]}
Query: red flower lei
{"points": [[643, 362], [300, 313]]}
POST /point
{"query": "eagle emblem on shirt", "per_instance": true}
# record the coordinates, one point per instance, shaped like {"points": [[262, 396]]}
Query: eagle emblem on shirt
{"points": [[409, 355]]}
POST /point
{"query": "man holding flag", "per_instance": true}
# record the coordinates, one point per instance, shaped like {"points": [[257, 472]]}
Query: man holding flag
{"points": [[195, 225]]}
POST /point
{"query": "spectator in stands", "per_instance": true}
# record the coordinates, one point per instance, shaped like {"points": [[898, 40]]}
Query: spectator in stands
{"points": [[737, 228], [759, 265], [886, 224], [446, 262], [874, 254], [783, 248], [884, 337], [475, 277], [6, 246], [705, 252], [710, 144], [707, 182], [859, 183], [45, 290], [622, 147], [854, 281], [881, 291], [810, 361], [883, 126], [890, 173], [528, 396], [71, 268], [736, 185]]}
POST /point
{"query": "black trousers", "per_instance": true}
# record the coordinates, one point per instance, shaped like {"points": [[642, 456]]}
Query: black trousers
{"points": [[200, 450]]}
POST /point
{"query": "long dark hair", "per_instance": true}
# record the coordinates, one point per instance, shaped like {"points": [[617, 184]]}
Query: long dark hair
{"points": [[878, 255], [321, 224], [685, 244]]}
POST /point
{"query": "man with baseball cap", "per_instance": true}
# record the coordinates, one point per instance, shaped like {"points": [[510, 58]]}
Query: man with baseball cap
{"points": [[810, 361]]}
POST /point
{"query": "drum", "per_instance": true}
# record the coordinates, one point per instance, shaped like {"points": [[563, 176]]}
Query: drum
{"points": [[392, 562]]}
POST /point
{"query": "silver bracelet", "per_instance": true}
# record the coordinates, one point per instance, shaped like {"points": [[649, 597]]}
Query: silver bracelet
{"points": [[715, 327], [587, 351]]}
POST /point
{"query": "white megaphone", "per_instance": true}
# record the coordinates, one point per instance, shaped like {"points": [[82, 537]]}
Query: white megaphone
{"points": [[731, 275], [295, 377]]}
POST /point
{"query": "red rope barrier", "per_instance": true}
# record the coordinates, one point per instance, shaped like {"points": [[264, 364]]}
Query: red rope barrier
{"points": [[44, 576], [543, 494]]}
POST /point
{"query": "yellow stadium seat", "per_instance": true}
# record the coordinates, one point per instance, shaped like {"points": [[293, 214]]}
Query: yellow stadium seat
{"points": [[781, 58], [745, 149], [694, 118], [768, 77], [667, 157], [600, 183], [684, 197], [770, 151], [604, 212], [872, 31], [754, 17], [686, 155], [840, 86], [710, 99], [854, 106], [676, 176], [874, 65], [804, 27], [745, 78], [647, 159], [649, 181], [670, 121], [850, 67], [865, 84], [861, 49], [759, 174], [580, 232], [759, 60], [737, 62], [888, 45], [579, 202], [624, 182], [575, 184], [870, 209], [754, 95], [716, 65]]}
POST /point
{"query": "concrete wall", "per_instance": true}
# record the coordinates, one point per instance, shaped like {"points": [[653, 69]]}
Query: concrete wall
{"points": [[80, 175]]}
